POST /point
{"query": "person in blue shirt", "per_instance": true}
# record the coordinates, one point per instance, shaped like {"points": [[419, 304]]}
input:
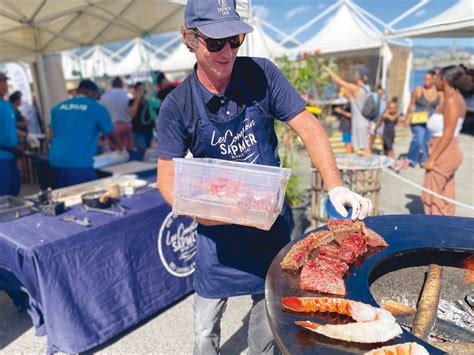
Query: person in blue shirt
{"points": [[225, 109], [9, 174], [75, 127]]}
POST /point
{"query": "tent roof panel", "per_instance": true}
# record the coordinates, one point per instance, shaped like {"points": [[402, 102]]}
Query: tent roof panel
{"points": [[456, 21], [77, 23], [344, 31]]}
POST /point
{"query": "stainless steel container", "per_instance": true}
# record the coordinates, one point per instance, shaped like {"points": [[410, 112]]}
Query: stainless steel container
{"points": [[12, 207]]}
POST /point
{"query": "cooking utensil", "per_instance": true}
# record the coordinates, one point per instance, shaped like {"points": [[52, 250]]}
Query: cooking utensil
{"points": [[122, 211], [12, 207], [93, 199], [86, 222], [104, 211]]}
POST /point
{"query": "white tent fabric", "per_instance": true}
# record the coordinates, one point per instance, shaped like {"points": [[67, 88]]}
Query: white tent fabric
{"points": [[257, 44], [344, 32], [90, 65], [456, 21], [28, 27], [139, 58], [180, 60]]}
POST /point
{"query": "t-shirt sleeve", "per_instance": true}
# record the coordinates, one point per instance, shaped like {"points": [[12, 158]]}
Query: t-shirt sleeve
{"points": [[285, 101], [8, 136], [171, 135], [103, 120]]}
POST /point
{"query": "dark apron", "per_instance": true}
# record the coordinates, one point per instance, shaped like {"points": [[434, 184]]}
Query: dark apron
{"points": [[233, 260]]}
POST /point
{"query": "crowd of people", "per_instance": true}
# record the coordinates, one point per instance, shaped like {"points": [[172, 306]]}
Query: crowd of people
{"points": [[80, 127], [434, 121]]}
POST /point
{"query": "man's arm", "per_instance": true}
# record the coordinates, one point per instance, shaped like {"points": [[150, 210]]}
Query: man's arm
{"points": [[308, 128], [165, 178]]}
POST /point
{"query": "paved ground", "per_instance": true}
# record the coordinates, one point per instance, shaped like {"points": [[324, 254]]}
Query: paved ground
{"points": [[171, 331]]}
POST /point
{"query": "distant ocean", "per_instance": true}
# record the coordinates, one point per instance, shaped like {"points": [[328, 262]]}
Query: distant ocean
{"points": [[416, 78]]}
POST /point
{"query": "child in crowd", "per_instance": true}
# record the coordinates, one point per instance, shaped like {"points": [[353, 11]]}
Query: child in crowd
{"points": [[389, 121]]}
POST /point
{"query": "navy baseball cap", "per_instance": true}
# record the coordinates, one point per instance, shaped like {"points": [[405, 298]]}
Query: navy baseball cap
{"points": [[88, 84], [215, 18]]}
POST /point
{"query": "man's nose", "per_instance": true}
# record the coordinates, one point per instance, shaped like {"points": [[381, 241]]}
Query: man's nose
{"points": [[226, 50]]}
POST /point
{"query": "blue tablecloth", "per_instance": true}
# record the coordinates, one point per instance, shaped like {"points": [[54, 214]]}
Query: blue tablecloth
{"points": [[87, 285]]}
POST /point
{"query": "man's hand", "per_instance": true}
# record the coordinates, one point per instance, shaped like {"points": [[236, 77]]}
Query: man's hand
{"points": [[342, 196]]}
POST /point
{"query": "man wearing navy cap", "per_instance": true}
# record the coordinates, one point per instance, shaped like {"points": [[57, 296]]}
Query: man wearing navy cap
{"points": [[9, 174], [74, 132], [225, 110]]}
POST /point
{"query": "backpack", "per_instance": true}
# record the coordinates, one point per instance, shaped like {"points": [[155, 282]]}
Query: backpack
{"points": [[370, 109]]}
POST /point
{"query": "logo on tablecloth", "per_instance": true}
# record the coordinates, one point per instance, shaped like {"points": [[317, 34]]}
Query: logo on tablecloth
{"points": [[177, 244]]}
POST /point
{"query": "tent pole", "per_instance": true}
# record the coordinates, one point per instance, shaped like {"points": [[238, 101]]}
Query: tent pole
{"points": [[311, 22], [281, 33], [43, 92], [408, 12], [406, 88]]}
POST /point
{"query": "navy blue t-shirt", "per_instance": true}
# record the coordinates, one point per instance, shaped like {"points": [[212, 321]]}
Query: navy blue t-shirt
{"points": [[263, 82]]}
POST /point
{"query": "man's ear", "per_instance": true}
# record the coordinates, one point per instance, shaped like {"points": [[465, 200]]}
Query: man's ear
{"points": [[190, 43]]}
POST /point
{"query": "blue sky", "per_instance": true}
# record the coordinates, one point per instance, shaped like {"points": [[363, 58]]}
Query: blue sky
{"points": [[289, 15]]}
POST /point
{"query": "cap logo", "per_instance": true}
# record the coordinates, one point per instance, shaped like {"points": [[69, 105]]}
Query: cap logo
{"points": [[223, 9]]}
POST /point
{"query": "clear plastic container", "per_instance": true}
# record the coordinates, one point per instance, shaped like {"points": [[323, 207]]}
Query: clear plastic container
{"points": [[226, 191]]}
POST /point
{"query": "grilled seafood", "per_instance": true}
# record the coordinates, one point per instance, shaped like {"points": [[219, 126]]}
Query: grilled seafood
{"points": [[400, 349], [359, 311], [377, 331]]}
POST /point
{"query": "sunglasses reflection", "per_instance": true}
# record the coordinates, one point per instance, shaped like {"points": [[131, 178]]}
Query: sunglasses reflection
{"points": [[217, 44]]}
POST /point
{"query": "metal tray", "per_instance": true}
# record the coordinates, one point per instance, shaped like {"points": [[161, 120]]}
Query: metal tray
{"points": [[12, 207]]}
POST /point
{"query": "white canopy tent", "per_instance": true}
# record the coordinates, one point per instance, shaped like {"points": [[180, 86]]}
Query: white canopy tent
{"points": [[349, 31], [29, 29], [257, 44], [343, 33], [140, 58], [39, 26], [456, 21], [94, 63]]}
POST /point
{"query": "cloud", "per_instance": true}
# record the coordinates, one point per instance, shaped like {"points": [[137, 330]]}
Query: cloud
{"points": [[420, 13], [296, 11], [261, 11]]}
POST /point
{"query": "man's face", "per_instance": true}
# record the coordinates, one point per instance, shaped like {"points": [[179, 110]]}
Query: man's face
{"points": [[219, 64], [3, 88]]}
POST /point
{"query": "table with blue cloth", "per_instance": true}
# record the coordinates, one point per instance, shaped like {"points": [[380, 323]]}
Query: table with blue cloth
{"points": [[88, 284]]}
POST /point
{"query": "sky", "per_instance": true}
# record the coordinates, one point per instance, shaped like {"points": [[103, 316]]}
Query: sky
{"points": [[289, 15]]}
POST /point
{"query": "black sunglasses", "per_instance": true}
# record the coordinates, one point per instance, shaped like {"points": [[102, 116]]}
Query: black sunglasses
{"points": [[216, 45]]}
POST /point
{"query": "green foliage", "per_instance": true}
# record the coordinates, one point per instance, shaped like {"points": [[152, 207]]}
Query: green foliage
{"points": [[306, 74], [294, 189]]}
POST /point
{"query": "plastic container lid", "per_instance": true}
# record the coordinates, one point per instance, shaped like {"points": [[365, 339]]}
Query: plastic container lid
{"points": [[362, 162]]}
